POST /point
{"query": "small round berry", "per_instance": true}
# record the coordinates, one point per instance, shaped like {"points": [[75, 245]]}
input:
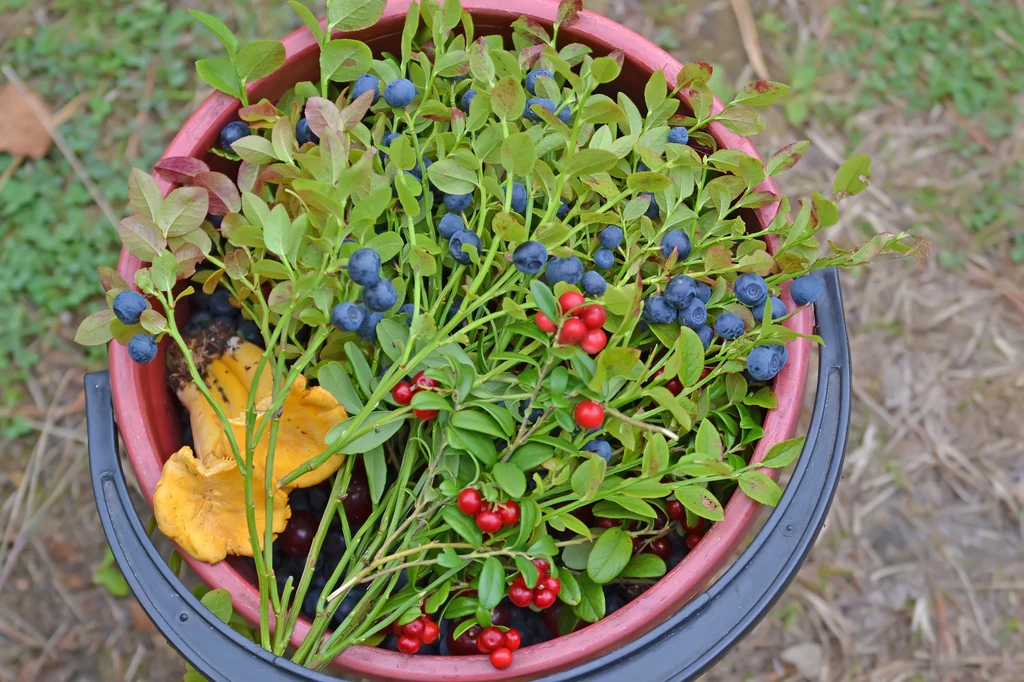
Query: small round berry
{"points": [[563, 209], [751, 289], [520, 595], [542, 567], [530, 257], [142, 348], [604, 259], [368, 330], [594, 284], [778, 309], [543, 599], [657, 310], [607, 523], [488, 521], [697, 527], [763, 363], [408, 645], [531, 79], [399, 93], [465, 645], [347, 316], [805, 290], [676, 510], [366, 83], [220, 304], [250, 331], [676, 240], [425, 415], [303, 133], [530, 115], [489, 639], [571, 302], [421, 382], [467, 99], [553, 584], [513, 639], [693, 315], [129, 306], [364, 267], [564, 114], [674, 386], [589, 414], [509, 513], [729, 326], [519, 197], [451, 224], [460, 239], [680, 291], [594, 342], [457, 203], [610, 237], [544, 323], [414, 629], [380, 296], [660, 547], [402, 393], [573, 332], [430, 632], [298, 535], [469, 502], [501, 658], [706, 334], [652, 211], [232, 133], [568, 269], [693, 539], [703, 292], [678, 135], [601, 448], [594, 316], [386, 142]]}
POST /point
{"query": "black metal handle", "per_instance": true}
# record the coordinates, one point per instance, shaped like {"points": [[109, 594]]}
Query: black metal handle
{"points": [[681, 648]]}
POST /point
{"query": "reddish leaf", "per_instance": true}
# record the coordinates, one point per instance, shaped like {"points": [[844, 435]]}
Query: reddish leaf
{"points": [[188, 256], [532, 30], [224, 196], [697, 73], [279, 174], [351, 115], [787, 157], [263, 111], [180, 169], [141, 237], [249, 177], [322, 113], [618, 55], [529, 56], [717, 258], [761, 93], [568, 12], [109, 279]]}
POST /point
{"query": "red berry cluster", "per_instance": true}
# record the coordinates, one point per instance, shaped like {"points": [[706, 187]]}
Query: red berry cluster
{"points": [[695, 532], [489, 518], [499, 645], [543, 595], [583, 328], [403, 392], [423, 630]]}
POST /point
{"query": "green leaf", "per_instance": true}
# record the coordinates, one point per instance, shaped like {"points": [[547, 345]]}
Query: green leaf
{"points": [[480, 63], [590, 161], [586, 480], [367, 441], [510, 478], [428, 400], [690, 351], [255, 149], [506, 226], [708, 442], [95, 329], [664, 398], [700, 501], [760, 93], [492, 583], [345, 60], [437, 598], [333, 377], [643, 566], [760, 488], [153, 322], [463, 525], [354, 15], [787, 157], [259, 59], [109, 576], [141, 237], [545, 546], [508, 99], [654, 92], [219, 603], [164, 271], [219, 29], [309, 19], [529, 515], [605, 69], [570, 593], [609, 556], [852, 176], [518, 154], [648, 182], [528, 571], [451, 177], [474, 420], [448, 558], [591, 606], [220, 74], [656, 458], [741, 120], [376, 472], [182, 211], [531, 454], [143, 193], [784, 453], [545, 299]]}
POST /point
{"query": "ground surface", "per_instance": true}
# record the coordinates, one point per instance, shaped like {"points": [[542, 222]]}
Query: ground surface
{"points": [[919, 574]]}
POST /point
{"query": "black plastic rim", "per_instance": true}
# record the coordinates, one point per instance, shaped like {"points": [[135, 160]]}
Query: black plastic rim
{"points": [[681, 648]]}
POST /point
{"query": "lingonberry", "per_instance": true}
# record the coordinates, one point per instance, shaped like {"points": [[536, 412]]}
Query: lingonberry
{"points": [[571, 302], [509, 513], [489, 639], [545, 323], [425, 415], [422, 382], [414, 629], [660, 547], [402, 393], [542, 567], [573, 332], [358, 504], [298, 534], [520, 595], [465, 645], [469, 502], [408, 644], [693, 539], [594, 316], [488, 521], [696, 527], [553, 584], [513, 640], [543, 599], [589, 414], [674, 386], [501, 658], [607, 523], [676, 510], [430, 632], [594, 341]]}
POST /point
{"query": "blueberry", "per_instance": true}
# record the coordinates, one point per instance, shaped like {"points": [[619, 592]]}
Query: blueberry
{"points": [[399, 93], [250, 331], [564, 270], [778, 309], [642, 167], [614, 599], [764, 362], [450, 225], [676, 240], [364, 267], [467, 99], [215, 220], [703, 292], [518, 197], [535, 414], [220, 303], [129, 306], [563, 210], [601, 448], [530, 257], [303, 134], [368, 330], [729, 326], [530, 115], [407, 309], [349, 603], [531, 79], [232, 133], [694, 315], [365, 83], [309, 603], [751, 289], [610, 237], [564, 114], [652, 211], [604, 259], [705, 334], [782, 351], [680, 291], [594, 284], [142, 348], [457, 203], [458, 240], [386, 142], [420, 168], [347, 316], [805, 290], [380, 295], [657, 310], [678, 135]]}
